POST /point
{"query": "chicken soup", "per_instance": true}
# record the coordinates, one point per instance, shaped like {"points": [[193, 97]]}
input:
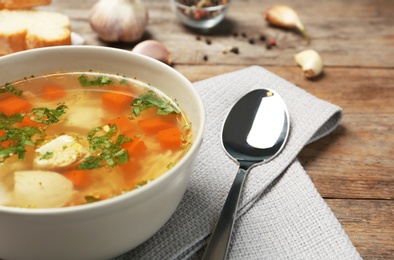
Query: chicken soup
{"points": [[73, 138]]}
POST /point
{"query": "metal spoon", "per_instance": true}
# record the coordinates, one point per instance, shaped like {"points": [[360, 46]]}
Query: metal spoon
{"points": [[255, 131]]}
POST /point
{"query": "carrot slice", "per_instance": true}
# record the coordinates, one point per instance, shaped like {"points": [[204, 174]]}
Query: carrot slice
{"points": [[154, 125], [12, 105], [116, 100], [135, 148], [130, 167], [129, 171], [170, 138], [51, 93], [80, 178], [5, 143], [26, 121], [124, 124]]}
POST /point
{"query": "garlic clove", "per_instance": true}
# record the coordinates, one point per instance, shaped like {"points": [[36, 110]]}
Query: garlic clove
{"points": [[153, 49], [119, 20], [311, 63], [285, 16]]}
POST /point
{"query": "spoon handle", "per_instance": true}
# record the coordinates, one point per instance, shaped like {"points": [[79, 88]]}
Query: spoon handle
{"points": [[220, 238]]}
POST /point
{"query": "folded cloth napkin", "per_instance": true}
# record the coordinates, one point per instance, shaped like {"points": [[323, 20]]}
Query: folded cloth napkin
{"points": [[281, 215]]}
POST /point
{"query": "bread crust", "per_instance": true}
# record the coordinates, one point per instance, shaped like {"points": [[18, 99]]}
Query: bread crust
{"points": [[28, 29], [12, 42], [22, 4]]}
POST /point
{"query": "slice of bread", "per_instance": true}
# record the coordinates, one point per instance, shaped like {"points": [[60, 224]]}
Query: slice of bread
{"points": [[28, 29], [21, 4]]}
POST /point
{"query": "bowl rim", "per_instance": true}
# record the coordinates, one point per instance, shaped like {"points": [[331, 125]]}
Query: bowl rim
{"points": [[209, 9], [132, 196]]}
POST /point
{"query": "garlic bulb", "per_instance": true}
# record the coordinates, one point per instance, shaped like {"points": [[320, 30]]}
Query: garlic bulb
{"points": [[285, 16], [119, 20], [311, 63], [153, 49]]}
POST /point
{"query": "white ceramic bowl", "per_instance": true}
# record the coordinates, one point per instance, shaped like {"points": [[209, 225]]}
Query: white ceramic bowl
{"points": [[108, 228]]}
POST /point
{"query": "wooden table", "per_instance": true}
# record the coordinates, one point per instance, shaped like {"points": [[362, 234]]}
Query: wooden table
{"points": [[353, 168]]}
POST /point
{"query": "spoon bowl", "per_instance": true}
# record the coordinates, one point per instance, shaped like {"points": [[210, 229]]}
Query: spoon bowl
{"points": [[254, 132]]}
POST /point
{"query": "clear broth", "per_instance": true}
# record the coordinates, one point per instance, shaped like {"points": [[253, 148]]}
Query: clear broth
{"points": [[85, 109]]}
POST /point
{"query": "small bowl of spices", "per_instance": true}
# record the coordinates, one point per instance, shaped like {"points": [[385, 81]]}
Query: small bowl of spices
{"points": [[200, 14]]}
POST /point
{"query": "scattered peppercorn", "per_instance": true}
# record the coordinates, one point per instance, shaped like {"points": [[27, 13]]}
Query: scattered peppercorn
{"points": [[208, 41], [251, 41], [271, 43], [244, 35], [205, 57], [262, 38], [234, 50], [235, 34], [198, 37]]}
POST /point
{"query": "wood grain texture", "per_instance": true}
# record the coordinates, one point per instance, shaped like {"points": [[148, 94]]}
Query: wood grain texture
{"points": [[369, 224], [352, 168]]}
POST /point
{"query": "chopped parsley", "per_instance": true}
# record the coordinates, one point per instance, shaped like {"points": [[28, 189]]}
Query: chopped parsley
{"points": [[99, 81], [48, 116], [47, 155], [123, 81], [145, 101], [8, 121], [106, 148], [10, 88], [18, 137]]}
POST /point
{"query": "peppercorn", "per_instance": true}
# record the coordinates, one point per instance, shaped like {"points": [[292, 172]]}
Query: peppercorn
{"points": [[234, 50], [270, 43]]}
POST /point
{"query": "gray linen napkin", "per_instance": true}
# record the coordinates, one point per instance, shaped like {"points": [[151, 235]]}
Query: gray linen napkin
{"points": [[281, 214]]}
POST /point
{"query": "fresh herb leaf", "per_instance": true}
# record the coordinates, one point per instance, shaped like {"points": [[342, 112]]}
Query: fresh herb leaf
{"points": [[99, 81], [106, 148], [8, 121], [10, 88], [48, 116], [19, 138], [123, 81], [147, 100], [47, 155], [91, 162]]}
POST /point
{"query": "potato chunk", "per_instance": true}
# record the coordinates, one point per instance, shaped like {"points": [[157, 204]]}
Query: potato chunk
{"points": [[79, 116], [41, 189], [5, 196]]}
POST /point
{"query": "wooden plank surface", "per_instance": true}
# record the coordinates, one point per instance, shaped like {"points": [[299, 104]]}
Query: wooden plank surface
{"points": [[353, 168]]}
